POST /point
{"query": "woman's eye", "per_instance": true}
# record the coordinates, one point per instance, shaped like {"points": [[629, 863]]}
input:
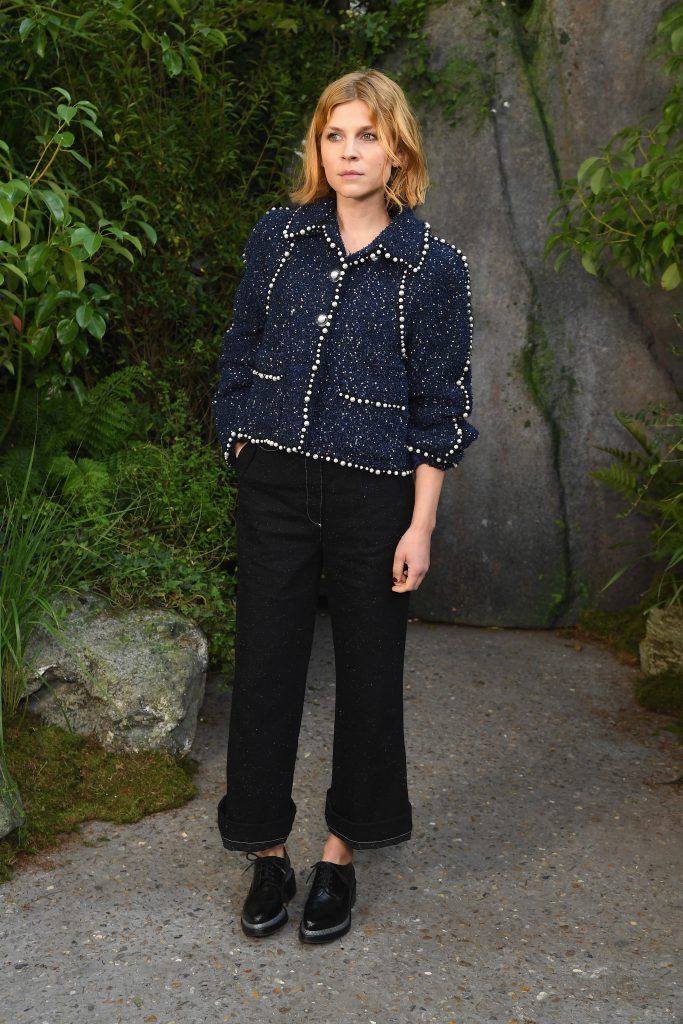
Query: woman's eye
{"points": [[331, 135]]}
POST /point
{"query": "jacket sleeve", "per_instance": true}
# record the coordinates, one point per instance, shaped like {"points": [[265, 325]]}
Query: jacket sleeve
{"points": [[234, 367], [439, 370]]}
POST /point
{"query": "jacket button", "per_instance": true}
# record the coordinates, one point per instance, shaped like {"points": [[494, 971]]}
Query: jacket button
{"points": [[334, 274], [321, 318]]}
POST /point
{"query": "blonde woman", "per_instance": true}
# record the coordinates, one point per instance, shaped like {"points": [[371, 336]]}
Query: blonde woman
{"points": [[344, 396]]}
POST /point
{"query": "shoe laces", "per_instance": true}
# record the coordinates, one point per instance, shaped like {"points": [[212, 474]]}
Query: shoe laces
{"points": [[326, 870], [270, 868]]}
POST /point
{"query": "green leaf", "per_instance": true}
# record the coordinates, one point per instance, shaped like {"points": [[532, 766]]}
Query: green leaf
{"points": [[668, 243], [91, 126], [24, 232], [26, 26], [84, 315], [81, 159], [586, 168], [41, 343], [172, 62], [15, 190], [36, 256], [67, 331], [121, 251], [66, 113], [671, 278], [87, 238], [149, 231], [54, 203], [588, 264], [598, 180], [84, 19], [80, 275], [44, 307], [15, 270], [97, 326], [66, 138], [194, 68], [6, 210]]}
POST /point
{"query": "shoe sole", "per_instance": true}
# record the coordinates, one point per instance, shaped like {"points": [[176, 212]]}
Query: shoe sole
{"points": [[327, 934], [263, 928]]}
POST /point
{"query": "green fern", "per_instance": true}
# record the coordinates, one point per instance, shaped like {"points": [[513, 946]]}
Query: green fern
{"points": [[618, 477], [634, 460], [637, 433], [108, 416], [653, 485], [103, 422], [86, 483]]}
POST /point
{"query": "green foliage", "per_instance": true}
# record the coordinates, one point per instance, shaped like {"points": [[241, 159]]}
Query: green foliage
{"points": [[620, 631], [663, 692], [651, 480], [147, 522], [625, 208], [625, 205], [54, 266]]}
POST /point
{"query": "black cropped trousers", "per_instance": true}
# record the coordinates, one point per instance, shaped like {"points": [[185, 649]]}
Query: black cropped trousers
{"points": [[295, 515]]}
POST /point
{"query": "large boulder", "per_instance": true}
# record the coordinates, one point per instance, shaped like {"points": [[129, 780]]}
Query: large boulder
{"points": [[133, 678], [661, 649], [525, 535]]}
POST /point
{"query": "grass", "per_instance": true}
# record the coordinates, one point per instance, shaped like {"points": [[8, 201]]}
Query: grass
{"points": [[65, 779], [663, 692], [621, 633]]}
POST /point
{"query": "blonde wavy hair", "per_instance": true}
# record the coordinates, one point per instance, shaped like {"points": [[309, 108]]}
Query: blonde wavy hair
{"points": [[396, 126]]}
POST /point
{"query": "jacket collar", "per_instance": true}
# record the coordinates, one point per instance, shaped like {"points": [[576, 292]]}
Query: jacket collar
{"points": [[406, 238]]}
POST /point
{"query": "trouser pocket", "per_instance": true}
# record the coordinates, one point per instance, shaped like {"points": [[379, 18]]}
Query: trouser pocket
{"points": [[246, 455]]}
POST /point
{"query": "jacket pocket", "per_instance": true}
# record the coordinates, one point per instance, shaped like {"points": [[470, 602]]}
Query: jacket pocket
{"points": [[375, 420], [264, 401]]}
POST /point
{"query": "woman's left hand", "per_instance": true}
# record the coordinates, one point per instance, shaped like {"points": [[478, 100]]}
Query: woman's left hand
{"points": [[412, 551]]}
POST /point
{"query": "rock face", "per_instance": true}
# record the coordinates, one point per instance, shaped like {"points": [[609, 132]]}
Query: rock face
{"points": [[134, 678], [524, 535], [662, 647]]}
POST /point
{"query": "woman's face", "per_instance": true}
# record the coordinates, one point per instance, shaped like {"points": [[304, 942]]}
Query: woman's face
{"points": [[349, 143]]}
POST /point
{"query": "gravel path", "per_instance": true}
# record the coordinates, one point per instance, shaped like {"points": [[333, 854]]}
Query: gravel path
{"points": [[541, 884]]}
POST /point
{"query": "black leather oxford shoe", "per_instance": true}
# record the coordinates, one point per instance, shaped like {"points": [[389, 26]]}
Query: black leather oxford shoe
{"points": [[273, 885], [327, 911]]}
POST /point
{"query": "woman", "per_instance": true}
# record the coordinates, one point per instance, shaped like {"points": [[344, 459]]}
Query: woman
{"points": [[344, 395]]}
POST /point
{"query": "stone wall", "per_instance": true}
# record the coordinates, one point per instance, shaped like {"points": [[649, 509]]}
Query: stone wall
{"points": [[524, 534]]}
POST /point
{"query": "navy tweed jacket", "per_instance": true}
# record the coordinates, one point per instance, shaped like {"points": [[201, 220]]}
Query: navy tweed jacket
{"points": [[362, 359]]}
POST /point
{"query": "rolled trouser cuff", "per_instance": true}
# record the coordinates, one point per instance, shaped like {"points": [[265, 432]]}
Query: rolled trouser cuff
{"points": [[368, 835], [249, 836]]}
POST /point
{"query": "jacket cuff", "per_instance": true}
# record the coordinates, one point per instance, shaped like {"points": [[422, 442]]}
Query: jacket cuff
{"points": [[416, 460]]}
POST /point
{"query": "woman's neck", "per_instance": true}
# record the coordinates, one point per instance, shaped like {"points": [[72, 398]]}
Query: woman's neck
{"points": [[361, 220]]}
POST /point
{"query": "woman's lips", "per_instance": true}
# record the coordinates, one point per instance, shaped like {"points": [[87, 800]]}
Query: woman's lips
{"points": [[350, 174]]}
